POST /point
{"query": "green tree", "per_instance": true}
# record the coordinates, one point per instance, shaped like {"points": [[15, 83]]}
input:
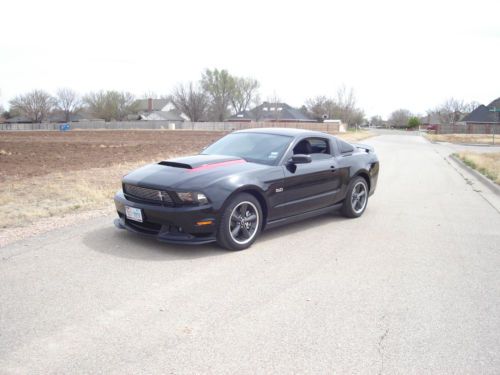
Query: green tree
{"points": [[110, 105], [413, 122], [245, 92], [219, 86]]}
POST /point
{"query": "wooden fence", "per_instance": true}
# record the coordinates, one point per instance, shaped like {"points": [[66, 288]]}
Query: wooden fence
{"points": [[462, 128], [158, 125]]}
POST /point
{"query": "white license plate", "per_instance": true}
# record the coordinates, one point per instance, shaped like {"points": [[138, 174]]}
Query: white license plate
{"points": [[133, 213]]}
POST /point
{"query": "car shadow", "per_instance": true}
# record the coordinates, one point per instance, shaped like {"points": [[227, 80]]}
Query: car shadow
{"points": [[301, 226], [121, 243]]}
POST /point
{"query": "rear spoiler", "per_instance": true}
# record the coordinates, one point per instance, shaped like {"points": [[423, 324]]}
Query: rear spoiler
{"points": [[361, 146]]}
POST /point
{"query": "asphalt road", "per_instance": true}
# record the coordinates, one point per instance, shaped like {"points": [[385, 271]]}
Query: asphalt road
{"points": [[411, 287]]}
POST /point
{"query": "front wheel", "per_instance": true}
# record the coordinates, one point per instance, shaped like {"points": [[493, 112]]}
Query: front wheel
{"points": [[240, 223], [356, 198]]}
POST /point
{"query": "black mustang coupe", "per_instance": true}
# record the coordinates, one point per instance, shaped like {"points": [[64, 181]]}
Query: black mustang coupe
{"points": [[247, 181]]}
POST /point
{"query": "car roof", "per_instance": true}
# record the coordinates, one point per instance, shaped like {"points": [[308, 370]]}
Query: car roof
{"points": [[291, 132]]}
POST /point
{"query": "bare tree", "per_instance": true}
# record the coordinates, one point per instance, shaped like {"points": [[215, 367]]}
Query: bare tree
{"points": [[348, 112], [150, 95], [376, 121], [257, 108], [452, 110], [342, 107], [321, 107], [191, 101], [35, 105], [219, 85], [110, 105], [245, 90], [274, 106], [68, 102], [400, 118], [126, 104], [469, 107]]}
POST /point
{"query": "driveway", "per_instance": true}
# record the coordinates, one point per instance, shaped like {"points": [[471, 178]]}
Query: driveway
{"points": [[413, 286]]}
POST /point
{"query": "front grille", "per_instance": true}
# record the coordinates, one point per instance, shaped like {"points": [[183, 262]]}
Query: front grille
{"points": [[148, 194]]}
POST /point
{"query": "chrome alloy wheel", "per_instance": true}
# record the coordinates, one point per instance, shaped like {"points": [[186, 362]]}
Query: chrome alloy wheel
{"points": [[359, 197], [244, 222]]}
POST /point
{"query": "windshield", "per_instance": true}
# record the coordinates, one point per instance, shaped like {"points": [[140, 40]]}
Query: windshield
{"points": [[254, 147]]}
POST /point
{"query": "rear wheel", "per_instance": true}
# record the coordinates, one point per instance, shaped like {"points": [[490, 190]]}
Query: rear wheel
{"points": [[356, 199], [241, 222]]}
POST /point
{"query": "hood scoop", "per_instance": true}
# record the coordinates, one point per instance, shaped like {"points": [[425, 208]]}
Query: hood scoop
{"points": [[175, 164], [198, 161]]}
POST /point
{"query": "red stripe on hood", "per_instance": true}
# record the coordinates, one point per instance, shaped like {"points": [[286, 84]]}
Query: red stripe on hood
{"points": [[215, 165]]}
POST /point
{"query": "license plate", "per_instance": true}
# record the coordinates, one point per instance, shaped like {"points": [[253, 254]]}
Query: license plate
{"points": [[133, 213]]}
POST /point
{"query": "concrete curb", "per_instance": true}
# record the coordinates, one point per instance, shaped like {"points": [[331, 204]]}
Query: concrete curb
{"points": [[483, 179], [462, 144], [475, 144]]}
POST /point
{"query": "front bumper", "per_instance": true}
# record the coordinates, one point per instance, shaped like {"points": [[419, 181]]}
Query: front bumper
{"points": [[168, 224]]}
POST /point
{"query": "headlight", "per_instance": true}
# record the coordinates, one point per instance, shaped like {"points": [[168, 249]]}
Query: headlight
{"points": [[192, 197]]}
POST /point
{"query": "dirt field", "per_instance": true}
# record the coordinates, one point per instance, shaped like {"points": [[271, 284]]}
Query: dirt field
{"points": [[50, 174], [29, 154]]}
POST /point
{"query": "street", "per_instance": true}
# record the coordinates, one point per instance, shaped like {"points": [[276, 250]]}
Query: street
{"points": [[413, 286]]}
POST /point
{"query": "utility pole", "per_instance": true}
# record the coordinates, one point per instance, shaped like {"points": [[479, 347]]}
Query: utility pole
{"points": [[495, 110]]}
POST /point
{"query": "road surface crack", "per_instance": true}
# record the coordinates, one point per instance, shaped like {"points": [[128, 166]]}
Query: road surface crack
{"points": [[380, 348]]}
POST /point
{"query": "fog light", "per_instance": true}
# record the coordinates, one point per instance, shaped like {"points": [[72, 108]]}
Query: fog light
{"points": [[204, 222]]}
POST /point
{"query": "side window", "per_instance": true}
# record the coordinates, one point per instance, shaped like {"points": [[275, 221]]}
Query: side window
{"points": [[318, 148]]}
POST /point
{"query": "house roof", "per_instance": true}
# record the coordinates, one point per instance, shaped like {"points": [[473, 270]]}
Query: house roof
{"points": [[495, 103], [18, 119], [483, 114], [61, 117], [158, 104], [272, 112], [162, 115]]}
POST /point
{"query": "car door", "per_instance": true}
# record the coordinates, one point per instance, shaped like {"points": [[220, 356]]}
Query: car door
{"points": [[309, 186]]}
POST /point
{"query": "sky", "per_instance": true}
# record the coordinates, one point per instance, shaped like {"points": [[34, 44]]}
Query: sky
{"points": [[394, 54]]}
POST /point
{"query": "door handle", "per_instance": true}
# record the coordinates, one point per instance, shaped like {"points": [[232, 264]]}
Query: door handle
{"points": [[332, 168]]}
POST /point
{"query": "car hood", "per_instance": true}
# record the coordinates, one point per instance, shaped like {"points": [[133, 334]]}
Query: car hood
{"points": [[188, 173]]}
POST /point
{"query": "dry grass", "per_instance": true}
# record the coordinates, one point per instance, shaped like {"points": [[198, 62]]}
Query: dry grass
{"points": [[22, 202], [354, 136], [487, 164], [464, 138]]}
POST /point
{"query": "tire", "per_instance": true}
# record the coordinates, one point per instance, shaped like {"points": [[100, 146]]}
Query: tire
{"points": [[241, 222], [356, 198]]}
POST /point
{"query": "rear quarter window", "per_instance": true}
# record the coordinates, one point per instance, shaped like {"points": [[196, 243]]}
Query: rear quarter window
{"points": [[344, 147]]}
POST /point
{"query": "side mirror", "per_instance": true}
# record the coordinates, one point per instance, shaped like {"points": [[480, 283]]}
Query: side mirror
{"points": [[301, 159]]}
